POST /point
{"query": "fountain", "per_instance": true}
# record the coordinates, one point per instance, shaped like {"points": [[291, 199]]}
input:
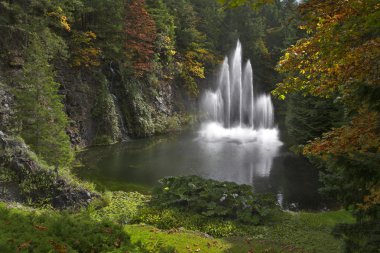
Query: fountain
{"points": [[233, 110], [234, 114], [238, 142]]}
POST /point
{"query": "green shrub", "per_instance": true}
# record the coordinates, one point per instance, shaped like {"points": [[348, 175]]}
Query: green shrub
{"points": [[50, 231], [118, 206], [212, 198], [133, 207], [173, 218]]}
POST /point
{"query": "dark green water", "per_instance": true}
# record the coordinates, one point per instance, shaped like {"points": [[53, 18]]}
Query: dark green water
{"points": [[138, 164]]}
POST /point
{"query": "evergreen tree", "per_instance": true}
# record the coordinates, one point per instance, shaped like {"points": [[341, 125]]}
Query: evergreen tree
{"points": [[308, 117], [193, 54], [40, 110], [210, 22], [105, 18], [165, 51]]}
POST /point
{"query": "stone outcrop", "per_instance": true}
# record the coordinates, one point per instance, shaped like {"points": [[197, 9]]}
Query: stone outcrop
{"points": [[31, 180]]}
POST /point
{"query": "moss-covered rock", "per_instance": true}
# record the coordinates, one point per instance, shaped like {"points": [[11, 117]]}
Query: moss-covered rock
{"points": [[35, 182], [150, 109], [108, 129]]}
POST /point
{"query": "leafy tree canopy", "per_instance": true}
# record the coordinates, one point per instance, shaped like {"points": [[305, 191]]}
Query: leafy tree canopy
{"points": [[236, 3], [339, 59]]}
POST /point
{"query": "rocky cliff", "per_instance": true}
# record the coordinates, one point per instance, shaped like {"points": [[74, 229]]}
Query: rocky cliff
{"points": [[104, 105]]}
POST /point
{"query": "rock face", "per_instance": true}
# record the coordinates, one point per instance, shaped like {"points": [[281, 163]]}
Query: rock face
{"points": [[36, 182], [150, 109], [90, 106], [104, 105], [164, 99]]}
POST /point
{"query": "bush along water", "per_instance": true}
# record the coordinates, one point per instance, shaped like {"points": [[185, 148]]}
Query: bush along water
{"points": [[212, 198]]}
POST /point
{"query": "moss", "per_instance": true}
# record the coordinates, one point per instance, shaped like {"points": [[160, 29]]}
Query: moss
{"points": [[167, 124], [143, 119], [164, 124], [105, 114], [29, 230], [281, 231], [171, 218], [119, 206], [143, 124], [291, 232], [103, 140], [324, 219], [171, 230], [37, 183], [182, 240]]}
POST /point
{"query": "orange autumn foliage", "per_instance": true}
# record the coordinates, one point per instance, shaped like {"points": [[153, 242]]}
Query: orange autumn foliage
{"points": [[372, 199], [360, 136], [141, 32], [340, 54], [340, 59]]}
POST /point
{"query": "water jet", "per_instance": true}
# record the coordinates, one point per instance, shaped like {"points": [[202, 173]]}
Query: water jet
{"points": [[232, 110]]}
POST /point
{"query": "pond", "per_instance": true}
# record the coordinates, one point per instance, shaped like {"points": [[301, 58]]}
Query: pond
{"points": [[261, 161]]}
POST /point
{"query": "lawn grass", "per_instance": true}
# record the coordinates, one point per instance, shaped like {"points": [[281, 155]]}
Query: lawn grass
{"points": [[101, 230], [311, 232], [300, 232], [189, 241], [282, 232], [324, 219]]}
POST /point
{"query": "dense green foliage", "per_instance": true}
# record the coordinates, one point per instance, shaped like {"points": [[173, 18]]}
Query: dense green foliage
{"points": [[339, 60], [252, 3], [125, 62], [100, 70], [43, 230], [213, 199], [40, 118], [308, 117], [25, 178], [281, 230], [46, 231], [40, 111]]}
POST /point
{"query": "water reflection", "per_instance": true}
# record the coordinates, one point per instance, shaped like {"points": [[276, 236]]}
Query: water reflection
{"points": [[248, 153], [260, 162]]}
